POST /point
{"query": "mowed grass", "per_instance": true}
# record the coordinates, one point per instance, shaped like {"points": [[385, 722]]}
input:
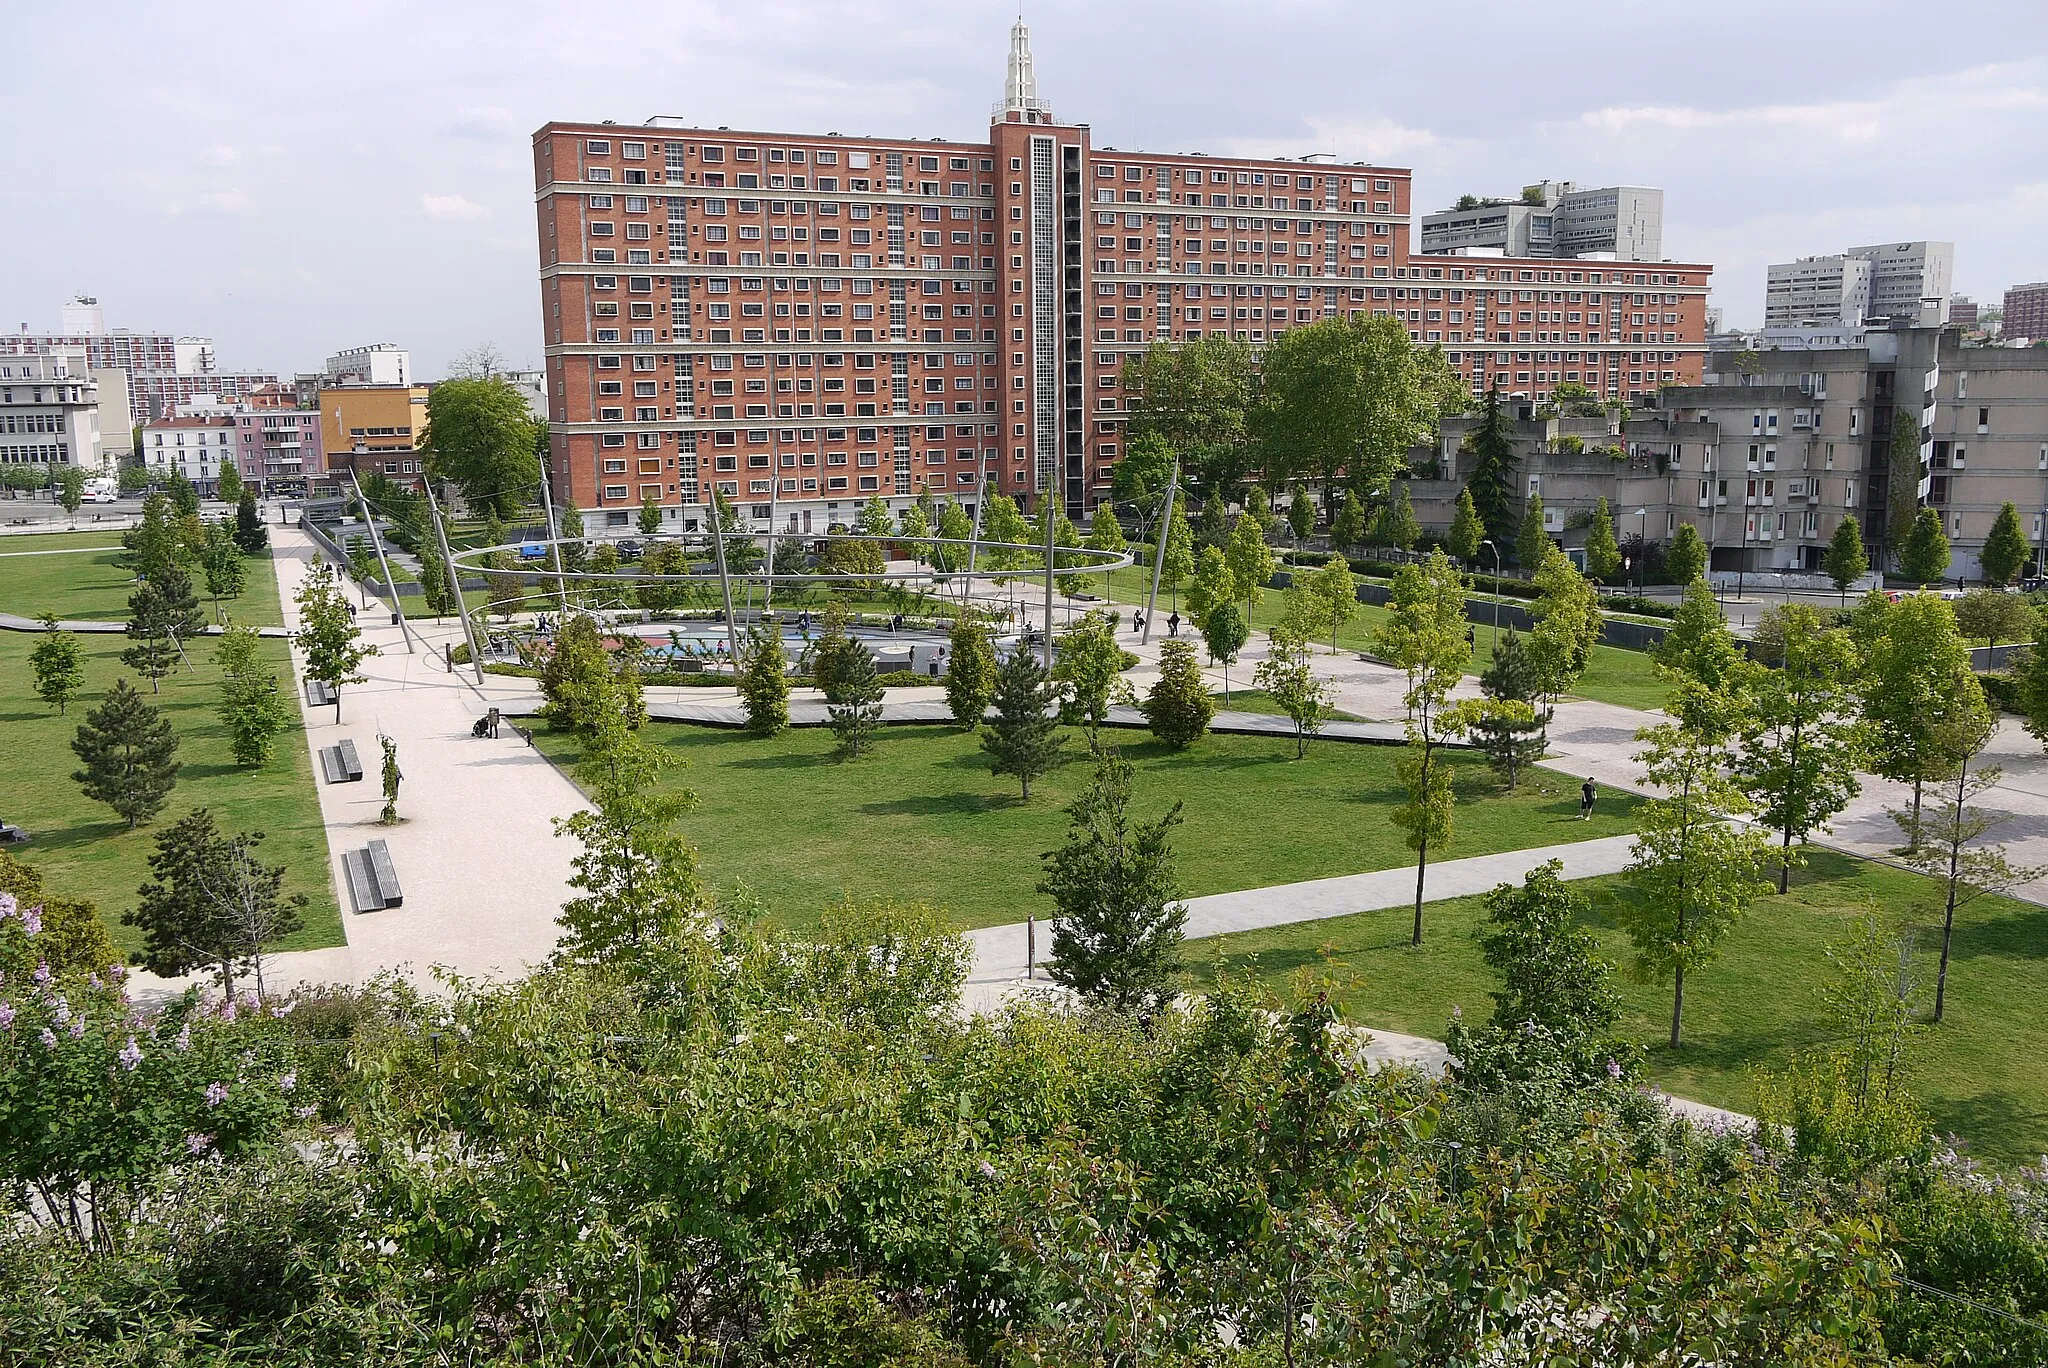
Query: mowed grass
{"points": [[1982, 1074], [925, 819], [1625, 678], [54, 541], [93, 586], [81, 847]]}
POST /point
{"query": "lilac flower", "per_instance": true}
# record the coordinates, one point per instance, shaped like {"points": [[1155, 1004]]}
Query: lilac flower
{"points": [[7, 906], [216, 1093], [93, 981], [119, 971], [198, 1143], [49, 1039], [987, 1169], [131, 1055], [184, 1038], [227, 1009], [6, 1015], [78, 1028], [286, 1082], [43, 972], [60, 1008], [32, 921], [1614, 1071], [307, 1112]]}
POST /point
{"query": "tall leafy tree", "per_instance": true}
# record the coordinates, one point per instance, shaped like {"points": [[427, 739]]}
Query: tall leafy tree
{"points": [[954, 526], [1196, 398], [1288, 677], [1802, 741], [1346, 398], [634, 872], [970, 671], [1301, 513], [1334, 586], [1139, 480], [1116, 933], [1567, 613], [1693, 873], [1844, 561], [328, 638], [1250, 560], [69, 487], [2005, 551], [1685, 557], [128, 753], [1603, 557], [1530, 538], [1923, 557], [1213, 525], [1089, 667], [764, 683], [1225, 630], [434, 589], [1700, 650], [480, 439], [569, 527], [1023, 739], [1513, 738], [1178, 707], [1213, 584], [1397, 526], [1467, 532], [1492, 477], [59, 665], [1993, 615], [211, 902], [1916, 687]]}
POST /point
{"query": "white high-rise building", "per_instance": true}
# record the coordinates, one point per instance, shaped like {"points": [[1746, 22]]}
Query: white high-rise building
{"points": [[1905, 283], [380, 363], [49, 411], [1909, 281], [1553, 219]]}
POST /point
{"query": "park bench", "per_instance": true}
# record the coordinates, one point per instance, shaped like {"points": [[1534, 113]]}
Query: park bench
{"points": [[372, 878], [319, 693], [341, 764]]}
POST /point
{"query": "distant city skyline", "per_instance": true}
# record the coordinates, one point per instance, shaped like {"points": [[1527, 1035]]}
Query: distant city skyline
{"points": [[288, 215]]}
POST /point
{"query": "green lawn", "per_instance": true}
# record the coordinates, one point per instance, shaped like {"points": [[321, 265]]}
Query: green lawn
{"points": [[52, 541], [1614, 675], [92, 585], [1258, 701], [81, 847], [1983, 1072], [925, 819]]}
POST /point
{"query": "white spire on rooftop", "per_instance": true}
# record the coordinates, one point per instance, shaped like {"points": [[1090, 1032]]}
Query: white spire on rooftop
{"points": [[1020, 83]]}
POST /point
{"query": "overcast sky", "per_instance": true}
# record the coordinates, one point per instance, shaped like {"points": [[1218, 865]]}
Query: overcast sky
{"points": [[293, 179]]}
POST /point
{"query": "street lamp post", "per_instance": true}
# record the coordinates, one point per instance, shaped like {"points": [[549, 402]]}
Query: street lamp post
{"points": [[1643, 550]]}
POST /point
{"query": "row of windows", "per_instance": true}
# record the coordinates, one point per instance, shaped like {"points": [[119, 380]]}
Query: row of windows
{"points": [[1162, 175]]}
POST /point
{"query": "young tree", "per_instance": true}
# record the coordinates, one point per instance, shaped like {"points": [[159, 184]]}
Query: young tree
{"points": [[1116, 932], [1089, 667], [155, 652], [1024, 738], [1250, 559], [1693, 873], [569, 528], [229, 487], [1397, 525], [970, 672], [183, 496], [954, 526], [2005, 552], [1225, 631], [1951, 846], [1603, 557], [1301, 513], [1685, 557], [1425, 635], [649, 518], [1801, 742], [1531, 541], [1065, 534], [1491, 478], [1212, 586], [857, 712], [1994, 615], [1289, 679], [211, 902], [1700, 650], [636, 874], [1179, 707], [1567, 613], [327, 635], [1923, 558], [1106, 534], [1917, 687], [478, 437], [1844, 560], [1466, 531], [1179, 562], [129, 754], [70, 488], [1511, 740], [764, 683], [391, 776], [434, 588], [251, 707], [1348, 528], [250, 533], [222, 561], [1337, 592], [915, 523], [1213, 525], [152, 544], [59, 665]]}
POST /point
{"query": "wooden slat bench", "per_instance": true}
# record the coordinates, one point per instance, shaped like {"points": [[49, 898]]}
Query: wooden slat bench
{"points": [[372, 878]]}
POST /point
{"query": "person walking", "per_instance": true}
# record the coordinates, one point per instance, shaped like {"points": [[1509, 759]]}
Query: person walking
{"points": [[1586, 795], [1173, 623]]}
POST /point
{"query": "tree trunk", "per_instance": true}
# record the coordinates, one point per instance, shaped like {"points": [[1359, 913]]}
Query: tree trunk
{"points": [[1913, 836], [1677, 1002], [1785, 861], [1421, 864], [337, 707]]}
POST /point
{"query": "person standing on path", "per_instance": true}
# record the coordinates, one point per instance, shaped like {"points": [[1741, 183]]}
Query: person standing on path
{"points": [[1173, 623], [1586, 795]]}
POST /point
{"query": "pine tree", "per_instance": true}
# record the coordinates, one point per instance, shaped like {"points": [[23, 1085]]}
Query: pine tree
{"points": [[1492, 478], [59, 665], [250, 533], [1467, 532], [1301, 513], [1397, 527], [155, 652], [858, 710], [1685, 558], [1179, 706], [1116, 933], [210, 901], [1513, 743], [1349, 528], [764, 683], [1845, 561], [129, 753], [970, 672], [1923, 558], [1530, 538], [1603, 557], [1024, 738], [2005, 549]]}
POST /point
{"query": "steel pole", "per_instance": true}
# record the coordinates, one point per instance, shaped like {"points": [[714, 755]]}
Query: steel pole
{"points": [[1046, 654], [1159, 556], [732, 635], [382, 561], [476, 658], [547, 503]]}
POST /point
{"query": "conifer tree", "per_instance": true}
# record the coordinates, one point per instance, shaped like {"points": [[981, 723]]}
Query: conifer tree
{"points": [[1492, 478], [250, 533], [857, 712], [129, 755], [764, 683], [1024, 738], [58, 663], [1467, 532], [1179, 706], [1530, 538], [1685, 556], [970, 672], [2005, 550], [1301, 513], [1512, 743], [1397, 527], [1603, 557], [211, 902], [155, 652], [1845, 561], [1348, 530]]}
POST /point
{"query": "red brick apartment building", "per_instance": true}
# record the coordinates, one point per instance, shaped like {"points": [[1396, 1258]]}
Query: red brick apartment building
{"points": [[808, 321]]}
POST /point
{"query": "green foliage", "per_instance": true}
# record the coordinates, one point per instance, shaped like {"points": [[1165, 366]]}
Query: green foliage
{"points": [[434, 586], [1701, 655], [1023, 739], [128, 753], [569, 528], [1801, 741], [1301, 513], [183, 496], [1993, 615], [1492, 478], [1250, 560], [1116, 930], [1088, 666], [390, 776], [1424, 633], [250, 533], [970, 672], [478, 437], [1288, 677], [222, 561], [649, 518], [1923, 557], [1140, 478], [1466, 530], [1225, 630], [1685, 557], [764, 682], [1213, 528], [1916, 688], [856, 712], [2005, 551], [1511, 740], [828, 652], [71, 940], [162, 612], [635, 874], [252, 707], [1603, 557], [328, 637], [1531, 541], [211, 903], [1178, 707], [1567, 614], [1194, 398], [1179, 562], [59, 665], [68, 483], [1397, 526], [1337, 593], [1348, 528]]}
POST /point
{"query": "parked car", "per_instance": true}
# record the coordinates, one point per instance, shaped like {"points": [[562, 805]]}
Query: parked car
{"points": [[629, 550]]}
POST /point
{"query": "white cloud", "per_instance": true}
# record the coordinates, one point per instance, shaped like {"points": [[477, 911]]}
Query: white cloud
{"points": [[213, 202], [486, 122], [220, 155], [449, 207]]}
